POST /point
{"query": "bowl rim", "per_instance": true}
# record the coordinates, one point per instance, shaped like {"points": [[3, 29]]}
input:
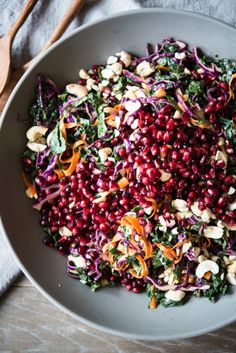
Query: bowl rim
{"points": [[38, 59]]}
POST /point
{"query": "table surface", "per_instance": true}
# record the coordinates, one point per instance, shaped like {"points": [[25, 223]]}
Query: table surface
{"points": [[30, 323]]}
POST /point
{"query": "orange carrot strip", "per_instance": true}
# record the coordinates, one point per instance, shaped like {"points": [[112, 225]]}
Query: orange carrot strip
{"points": [[30, 187], [153, 303], [73, 163], [207, 275], [154, 206], [162, 67], [114, 109], [59, 173], [202, 124], [167, 251], [160, 92], [110, 121], [73, 159], [123, 182], [144, 270], [71, 125], [231, 92], [133, 221]]}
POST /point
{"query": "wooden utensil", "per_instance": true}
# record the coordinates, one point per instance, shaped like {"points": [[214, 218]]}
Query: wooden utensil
{"points": [[6, 43], [59, 30]]}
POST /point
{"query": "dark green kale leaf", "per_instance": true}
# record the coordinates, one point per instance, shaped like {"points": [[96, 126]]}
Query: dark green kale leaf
{"points": [[58, 142], [170, 48], [228, 68], [98, 105], [218, 288], [174, 72], [230, 128], [160, 297]]}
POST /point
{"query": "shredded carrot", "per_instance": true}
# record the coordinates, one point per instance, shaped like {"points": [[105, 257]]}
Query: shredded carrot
{"points": [[114, 109], [144, 269], [59, 173], [133, 221], [231, 92], [202, 124], [153, 303], [167, 251], [30, 187], [160, 92], [154, 206], [123, 182], [71, 125], [207, 275], [180, 243], [110, 121], [162, 67], [73, 160]]}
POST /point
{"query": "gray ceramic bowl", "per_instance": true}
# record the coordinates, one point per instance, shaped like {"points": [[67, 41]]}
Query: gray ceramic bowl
{"points": [[112, 310]]}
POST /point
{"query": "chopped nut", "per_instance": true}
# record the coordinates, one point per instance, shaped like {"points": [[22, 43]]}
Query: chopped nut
{"points": [[117, 68], [89, 83], [195, 209], [134, 125], [108, 73], [111, 60], [145, 69], [36, 146], [187, 71], [186, 247], [207, 266], [221, 141], [177, 115], [64, 231], [83, 74], [175, 295], [104, 153], [213, 232], [77, 90], [202, 258], [180, 56], [180, 205], [36, 132], [180, 215], [125, 58], [206, 216], [221, 156], [231, 278], [232, 267], [131, 106], [231, 190], [232, 206], [164, 175], [79, 261]]}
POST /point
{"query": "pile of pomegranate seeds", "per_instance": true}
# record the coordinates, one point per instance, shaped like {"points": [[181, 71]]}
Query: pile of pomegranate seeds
{"points": [[133, 170]]}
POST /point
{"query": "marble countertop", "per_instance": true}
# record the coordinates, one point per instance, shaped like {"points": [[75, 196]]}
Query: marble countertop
{"points": [[30, 323]]}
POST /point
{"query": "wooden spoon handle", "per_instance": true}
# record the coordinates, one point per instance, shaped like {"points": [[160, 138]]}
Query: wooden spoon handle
{"points": [[66, 20], [63, 24], [21, 18]]}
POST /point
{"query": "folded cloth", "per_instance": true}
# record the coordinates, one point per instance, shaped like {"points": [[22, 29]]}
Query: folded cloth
{"points": [[39, 26]]}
